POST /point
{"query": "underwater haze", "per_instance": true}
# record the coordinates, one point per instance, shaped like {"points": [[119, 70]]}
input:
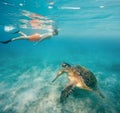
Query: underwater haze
{"points": [[89, 35]]}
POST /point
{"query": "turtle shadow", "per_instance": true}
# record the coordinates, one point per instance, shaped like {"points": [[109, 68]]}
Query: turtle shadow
{"points": [[80, 93], [115, 67]]}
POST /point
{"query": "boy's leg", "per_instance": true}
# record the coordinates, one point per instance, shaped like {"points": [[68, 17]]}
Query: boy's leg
{"points": [[23, 34], [20, 38]]}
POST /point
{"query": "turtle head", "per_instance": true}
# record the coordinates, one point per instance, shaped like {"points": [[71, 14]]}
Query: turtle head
{"points": [[65, 68]]}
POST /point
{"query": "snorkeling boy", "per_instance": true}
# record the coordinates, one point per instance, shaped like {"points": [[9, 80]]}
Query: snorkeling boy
{"points": [[33, 38]]}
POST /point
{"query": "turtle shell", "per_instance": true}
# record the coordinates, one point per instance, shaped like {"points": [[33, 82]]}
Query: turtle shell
{"points": [[88, 77]]}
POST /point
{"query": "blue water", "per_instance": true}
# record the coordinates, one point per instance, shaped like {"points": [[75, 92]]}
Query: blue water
{"points": [[88, 35]]}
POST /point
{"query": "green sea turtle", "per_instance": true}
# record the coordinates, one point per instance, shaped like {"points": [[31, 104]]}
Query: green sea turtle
{"points": [[78, 76]]}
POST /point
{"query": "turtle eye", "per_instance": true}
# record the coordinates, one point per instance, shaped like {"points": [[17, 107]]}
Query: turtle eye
{"points": [[65, 65]]}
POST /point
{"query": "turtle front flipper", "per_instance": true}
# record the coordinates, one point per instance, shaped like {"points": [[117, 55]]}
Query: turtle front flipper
{"points": [[99, 93], [60, 72], [66, 91]]}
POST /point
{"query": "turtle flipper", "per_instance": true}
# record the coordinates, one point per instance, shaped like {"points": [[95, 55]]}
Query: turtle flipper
{"points": [[100, 94], [66, 92]]}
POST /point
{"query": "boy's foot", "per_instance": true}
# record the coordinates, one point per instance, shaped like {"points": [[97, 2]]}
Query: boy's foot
{"points": [[5, 42], [16, 32]]}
